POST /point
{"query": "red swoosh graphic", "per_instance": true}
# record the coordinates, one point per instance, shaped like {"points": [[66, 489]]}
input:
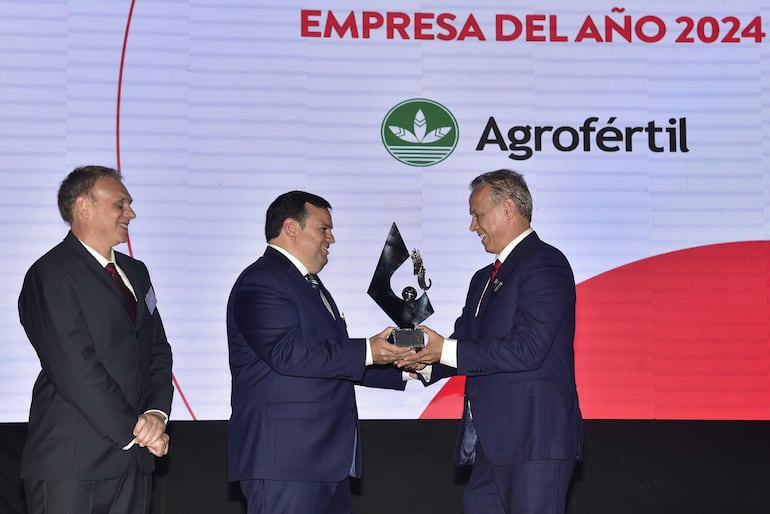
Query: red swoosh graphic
{"points": [[177, 387], [682, 335]]}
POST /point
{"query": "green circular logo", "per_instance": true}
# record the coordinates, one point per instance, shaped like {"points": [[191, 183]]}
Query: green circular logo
{"points": [[419, 132]]}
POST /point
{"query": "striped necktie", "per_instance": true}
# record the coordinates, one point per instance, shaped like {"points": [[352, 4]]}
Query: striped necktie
{"points": [[312, 278]]}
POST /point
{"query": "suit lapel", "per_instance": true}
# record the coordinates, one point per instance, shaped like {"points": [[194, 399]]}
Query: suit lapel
{"points": [[137, 284], [306, 290], [481, 281], [518, 255], [92, 267], [508, 269], [293, 275], [332, 304], [486, 293]]}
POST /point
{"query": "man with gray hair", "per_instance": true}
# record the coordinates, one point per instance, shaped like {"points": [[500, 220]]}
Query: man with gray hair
{"points": [[101, 402], [521, 426]]}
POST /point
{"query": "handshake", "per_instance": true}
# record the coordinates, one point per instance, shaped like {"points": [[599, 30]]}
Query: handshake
{"points": [[406, 358]]}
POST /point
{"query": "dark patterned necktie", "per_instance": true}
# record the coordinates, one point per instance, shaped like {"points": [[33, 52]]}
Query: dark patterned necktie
{"points": [[314, 282], [124, 290], [316, 285]]}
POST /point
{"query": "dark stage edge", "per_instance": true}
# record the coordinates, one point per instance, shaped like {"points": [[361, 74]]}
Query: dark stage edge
{"points": [[630, 467]]}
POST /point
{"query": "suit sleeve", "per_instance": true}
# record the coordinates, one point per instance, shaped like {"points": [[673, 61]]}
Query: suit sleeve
{"points": [[289, 339], [50, 311], [522, 328], [161, 389], [441, 371], [384, 377]]}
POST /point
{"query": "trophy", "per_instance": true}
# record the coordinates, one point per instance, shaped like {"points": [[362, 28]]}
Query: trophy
{"points": [[408, 310]]}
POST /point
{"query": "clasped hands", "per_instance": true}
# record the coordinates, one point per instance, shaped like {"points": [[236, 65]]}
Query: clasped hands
{"points": [[405, 358], [150, 433]]}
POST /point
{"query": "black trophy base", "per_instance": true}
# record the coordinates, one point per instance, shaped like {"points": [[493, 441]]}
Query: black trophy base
{"points": [[407, 337]]}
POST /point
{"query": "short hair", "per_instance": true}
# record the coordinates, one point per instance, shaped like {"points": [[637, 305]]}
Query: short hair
{"points": [[79, 182], [290, 205], [507, 184]]}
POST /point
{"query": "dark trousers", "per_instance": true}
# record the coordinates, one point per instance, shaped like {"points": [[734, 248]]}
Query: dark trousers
{"points": [[281, 497], [533, 487], [129, 494]]}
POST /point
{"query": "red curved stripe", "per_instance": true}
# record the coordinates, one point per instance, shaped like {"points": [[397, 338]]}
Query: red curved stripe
{"points": [[120, 168], [683, 335], [448, 402], [120, 83]]}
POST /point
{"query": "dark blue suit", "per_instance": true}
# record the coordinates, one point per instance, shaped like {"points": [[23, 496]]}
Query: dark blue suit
{"points": [[293, 368], [517, 354]]}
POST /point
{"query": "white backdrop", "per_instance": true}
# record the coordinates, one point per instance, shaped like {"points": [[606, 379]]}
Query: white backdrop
{"points": [[225, 106]]}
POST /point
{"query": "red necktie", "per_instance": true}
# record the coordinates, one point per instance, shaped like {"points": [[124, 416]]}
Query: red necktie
{"points": [[490, 284], [124, 290], [494, 270]]}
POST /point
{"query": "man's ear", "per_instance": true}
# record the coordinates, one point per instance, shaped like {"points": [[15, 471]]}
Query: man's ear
{"points": [[82, 207], [290, 228], [509, 208]]}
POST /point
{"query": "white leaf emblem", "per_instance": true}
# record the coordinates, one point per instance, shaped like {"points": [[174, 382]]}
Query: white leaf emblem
{"points": [[419, 135]]}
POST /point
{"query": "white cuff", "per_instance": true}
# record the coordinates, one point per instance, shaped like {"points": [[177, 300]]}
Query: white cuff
{"points": [[369, 358], [165, 422], [165, 416], [449, 353]]}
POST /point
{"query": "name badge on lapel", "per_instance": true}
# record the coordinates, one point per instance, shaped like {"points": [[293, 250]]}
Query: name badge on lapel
{"points": [[150, 300]]}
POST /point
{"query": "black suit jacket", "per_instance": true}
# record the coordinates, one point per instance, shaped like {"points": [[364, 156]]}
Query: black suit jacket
{"points": [[99, 370]]}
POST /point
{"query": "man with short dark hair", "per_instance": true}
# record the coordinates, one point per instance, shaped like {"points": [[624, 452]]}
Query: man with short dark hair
{"points": [[101, 402], [293, 432]]}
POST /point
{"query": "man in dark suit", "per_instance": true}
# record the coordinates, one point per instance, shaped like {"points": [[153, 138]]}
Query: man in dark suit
{"points": [[293, 432], [101, 402], [521, 424]]}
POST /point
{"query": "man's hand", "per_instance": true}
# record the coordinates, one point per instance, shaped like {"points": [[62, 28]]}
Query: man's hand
{"points": [[160, 448], [149, 430], [429, 354], [414, 367], [384, 352]]}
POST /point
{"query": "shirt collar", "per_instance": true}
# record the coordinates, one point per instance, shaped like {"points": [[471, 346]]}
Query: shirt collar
{"points": [[99, 257], [510, 246], [297, 264]]}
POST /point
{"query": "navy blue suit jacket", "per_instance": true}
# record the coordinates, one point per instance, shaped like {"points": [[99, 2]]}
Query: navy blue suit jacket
{"points": [[518, 357], [293, 372], [99, 370]]}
